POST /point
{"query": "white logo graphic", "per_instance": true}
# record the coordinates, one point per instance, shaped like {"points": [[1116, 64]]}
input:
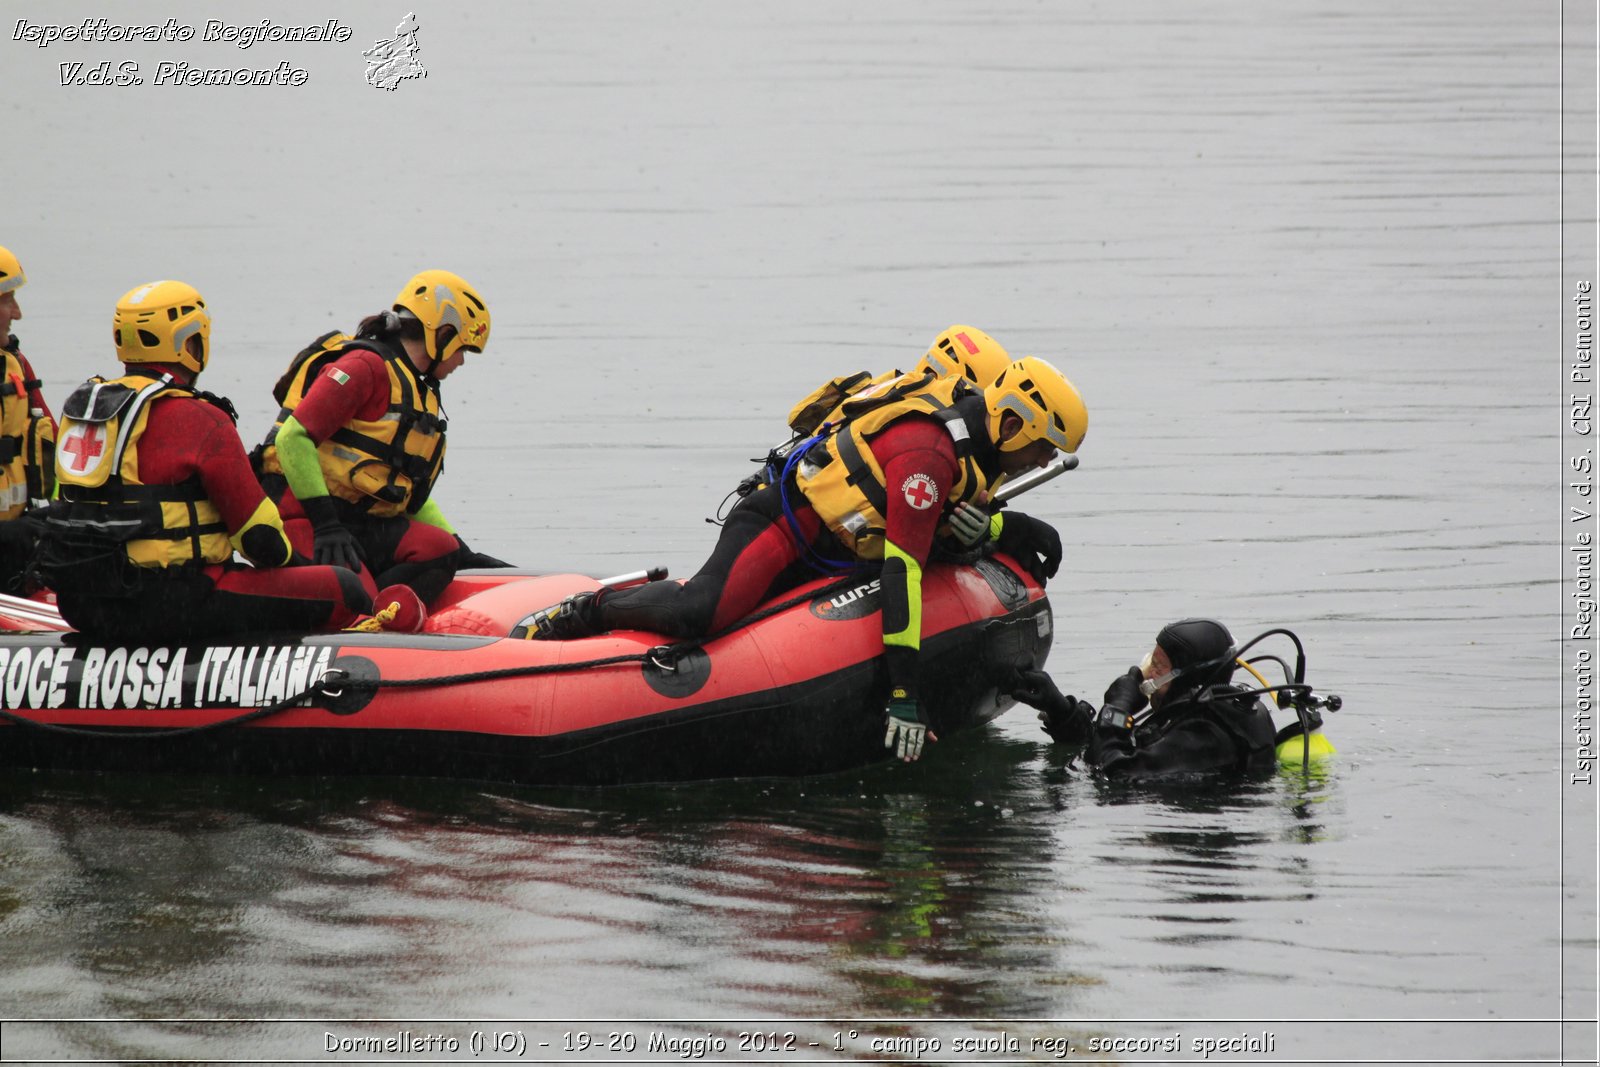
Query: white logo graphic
{"points": [[920, 492], [393, 61]]}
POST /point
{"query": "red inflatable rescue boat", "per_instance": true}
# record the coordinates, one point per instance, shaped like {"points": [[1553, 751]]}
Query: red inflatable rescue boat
{"points": [[799, 688]]}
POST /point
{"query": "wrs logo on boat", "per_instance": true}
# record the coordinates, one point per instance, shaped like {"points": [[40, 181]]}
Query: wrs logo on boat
{"points": [[246, 676], [855, 603]]}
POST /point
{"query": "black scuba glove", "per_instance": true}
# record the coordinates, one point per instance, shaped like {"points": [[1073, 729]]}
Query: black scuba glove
{"points": [[1064, 718], [1033, 543], [1124, 698], [334, 543], [466, 558]]}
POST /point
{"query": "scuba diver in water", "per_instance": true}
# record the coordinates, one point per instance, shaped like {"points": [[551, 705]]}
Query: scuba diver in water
{"points": [[1198, 721]]}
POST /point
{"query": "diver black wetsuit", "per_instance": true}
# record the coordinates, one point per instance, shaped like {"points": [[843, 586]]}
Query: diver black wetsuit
{"points": [[1232, 731], [1198, 721]]}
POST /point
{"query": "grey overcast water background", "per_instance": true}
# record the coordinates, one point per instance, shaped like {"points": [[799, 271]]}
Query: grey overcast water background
{"points": [[1301, 259]]}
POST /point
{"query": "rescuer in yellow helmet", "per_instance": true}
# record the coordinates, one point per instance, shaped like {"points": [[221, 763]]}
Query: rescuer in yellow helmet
{"points": [[360, 438], [959, 352], [27, 438], [875, 487], [156, 495]]}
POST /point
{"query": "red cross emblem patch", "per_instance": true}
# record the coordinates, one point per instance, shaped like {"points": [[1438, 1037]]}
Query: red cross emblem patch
{"points": [[81, 446], [920, 492]]}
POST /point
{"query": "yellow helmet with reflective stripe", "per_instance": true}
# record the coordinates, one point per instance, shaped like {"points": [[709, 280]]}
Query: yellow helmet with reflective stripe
{"points": [[1049, 406], [439, 299], [11, 274], [967, 351], [154, 322]]}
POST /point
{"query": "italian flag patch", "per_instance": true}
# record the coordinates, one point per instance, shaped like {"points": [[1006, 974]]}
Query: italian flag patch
{"points": [[338, 375]]}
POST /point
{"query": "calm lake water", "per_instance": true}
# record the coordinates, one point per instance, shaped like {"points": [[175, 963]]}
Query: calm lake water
{"points": [[1303, 263]]}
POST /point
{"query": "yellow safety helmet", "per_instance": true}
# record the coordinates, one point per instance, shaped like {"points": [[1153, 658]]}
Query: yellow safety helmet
{"points": [[1049, 406], [439, 298], [967, 351], [154, 322], [11, 273]]}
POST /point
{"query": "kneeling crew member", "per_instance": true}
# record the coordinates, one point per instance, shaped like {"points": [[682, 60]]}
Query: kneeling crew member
{"points": [[360, 438], [27, 439], [875, 488], [156, 493]]}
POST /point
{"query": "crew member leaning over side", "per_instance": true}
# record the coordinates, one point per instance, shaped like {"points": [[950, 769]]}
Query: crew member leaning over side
{"points": [[959, 351], [156, 493], [27, 438], [360, 438], [876, 488]]}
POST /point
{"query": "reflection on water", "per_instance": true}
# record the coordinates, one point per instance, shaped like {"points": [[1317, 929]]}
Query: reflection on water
{"points": [[930, 890]]}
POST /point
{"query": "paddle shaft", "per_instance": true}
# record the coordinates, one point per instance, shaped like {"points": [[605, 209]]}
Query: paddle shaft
{"points": [[1013, 487]]}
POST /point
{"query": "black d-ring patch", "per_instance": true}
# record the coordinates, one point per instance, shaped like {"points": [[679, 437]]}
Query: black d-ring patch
{"points": [[681, 675], [341, 697]]}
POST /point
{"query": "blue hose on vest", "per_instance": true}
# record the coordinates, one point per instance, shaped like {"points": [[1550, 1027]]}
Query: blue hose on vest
{"points": [[821, 563]]}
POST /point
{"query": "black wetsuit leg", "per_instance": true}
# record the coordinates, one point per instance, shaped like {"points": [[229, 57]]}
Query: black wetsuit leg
{"points": [[183, 604], [755, 558]]}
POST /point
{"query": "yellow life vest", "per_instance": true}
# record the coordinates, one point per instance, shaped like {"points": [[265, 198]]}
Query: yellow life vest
{"points": [[843, 480], [27, 441], [386, 466], [103, 501], [836, 400]]}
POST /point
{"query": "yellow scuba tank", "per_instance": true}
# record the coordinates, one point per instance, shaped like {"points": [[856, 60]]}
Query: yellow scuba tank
{"points": [[1296, 747], [1305, 750]]}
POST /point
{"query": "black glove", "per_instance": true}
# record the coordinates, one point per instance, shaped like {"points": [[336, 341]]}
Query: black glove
{"points": [[1033, 543], [18, 535], [1123, 699], [1124, 694], [1064, 718], [467, 558], [333, 541]]}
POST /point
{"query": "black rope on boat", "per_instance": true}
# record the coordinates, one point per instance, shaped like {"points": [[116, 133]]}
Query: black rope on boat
{"points": [[301, 699], [663, 656], [488, 676]]}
